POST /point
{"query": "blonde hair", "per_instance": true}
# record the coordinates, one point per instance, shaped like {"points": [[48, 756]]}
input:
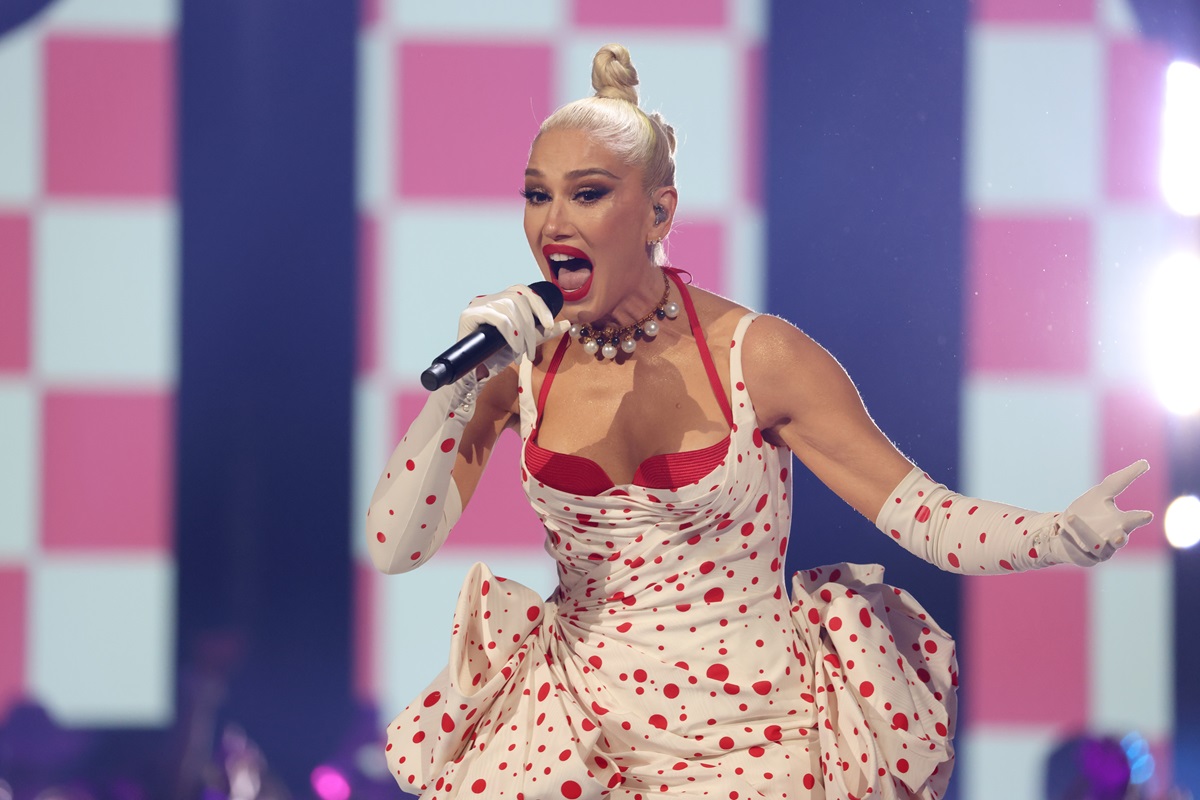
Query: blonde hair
{"points": [[613, 118]]}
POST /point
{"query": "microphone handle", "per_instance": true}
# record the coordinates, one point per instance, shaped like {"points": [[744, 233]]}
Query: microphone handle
{"points": [[450, 366]]}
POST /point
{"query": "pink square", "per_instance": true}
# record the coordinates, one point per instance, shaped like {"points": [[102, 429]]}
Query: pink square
{"points": [[467, 114], [1028, 295], [368, 13], [368, 294], [498, 515], [110, 116], [107, 470], [1136, 73], [14, 292], [14, 612], [366, 642], [1134, 427], [1035, 11], [661, 13], [1027, 658], [754, 115], [699, 247]]}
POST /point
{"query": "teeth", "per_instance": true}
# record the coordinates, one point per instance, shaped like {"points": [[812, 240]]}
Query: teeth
{"points": [[559, 257]]}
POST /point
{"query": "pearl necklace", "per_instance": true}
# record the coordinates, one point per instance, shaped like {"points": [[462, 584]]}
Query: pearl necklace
{"points": [[607, 341]]}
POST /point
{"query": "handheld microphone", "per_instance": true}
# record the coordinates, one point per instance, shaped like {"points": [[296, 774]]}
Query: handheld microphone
{"points": [[475, 348]]}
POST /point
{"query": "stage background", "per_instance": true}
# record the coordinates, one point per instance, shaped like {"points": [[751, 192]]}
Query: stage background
{"points": [[232, 235]]}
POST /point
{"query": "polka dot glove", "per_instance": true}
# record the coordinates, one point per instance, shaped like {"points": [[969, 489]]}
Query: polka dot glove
{"points": [[517, 313], [1093, 528], [978, 537], [416, 501]]}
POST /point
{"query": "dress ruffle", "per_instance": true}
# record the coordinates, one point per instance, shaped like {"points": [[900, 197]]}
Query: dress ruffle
{"points": [[884, 690], [500, 705], [886, 676]]}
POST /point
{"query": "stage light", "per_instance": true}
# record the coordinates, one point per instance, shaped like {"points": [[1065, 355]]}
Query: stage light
{"points": [[1172, 333], [329, 784], [1179, 159], [1182, 521]]}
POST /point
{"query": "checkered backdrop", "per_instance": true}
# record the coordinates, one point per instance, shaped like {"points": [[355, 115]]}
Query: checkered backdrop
{"points": [[88, 361], [1065, 222]]}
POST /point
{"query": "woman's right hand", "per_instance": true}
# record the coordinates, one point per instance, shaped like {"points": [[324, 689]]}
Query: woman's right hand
{"points": [[521, 317]]}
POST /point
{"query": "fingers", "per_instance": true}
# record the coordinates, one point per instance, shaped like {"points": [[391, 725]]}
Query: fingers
{"points": [[1119, 481], [1136, 519]]}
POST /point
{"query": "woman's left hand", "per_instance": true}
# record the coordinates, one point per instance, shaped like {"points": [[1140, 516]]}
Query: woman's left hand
{"points": [[1093, 528]]}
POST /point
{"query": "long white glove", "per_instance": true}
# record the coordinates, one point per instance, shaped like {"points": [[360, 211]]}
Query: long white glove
{"points": [[416, 501], [979, 537]]}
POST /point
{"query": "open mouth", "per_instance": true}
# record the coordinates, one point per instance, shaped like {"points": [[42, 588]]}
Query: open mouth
{"points": [[571, 270]]}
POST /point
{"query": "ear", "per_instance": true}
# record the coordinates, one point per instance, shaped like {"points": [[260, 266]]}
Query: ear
{"points": [[663, 201]]}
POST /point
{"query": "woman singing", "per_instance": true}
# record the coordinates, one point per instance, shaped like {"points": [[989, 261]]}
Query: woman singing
{"points": [[658, 423]]}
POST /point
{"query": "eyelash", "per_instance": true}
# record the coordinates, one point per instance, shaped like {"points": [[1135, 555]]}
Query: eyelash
{"points": [[539, 196]]}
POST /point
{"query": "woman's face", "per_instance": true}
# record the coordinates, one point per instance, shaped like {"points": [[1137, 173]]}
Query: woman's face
{"points": [[588, 220]]}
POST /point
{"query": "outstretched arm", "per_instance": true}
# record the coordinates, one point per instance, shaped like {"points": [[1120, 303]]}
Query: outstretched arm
{"points": [[813, 408]]}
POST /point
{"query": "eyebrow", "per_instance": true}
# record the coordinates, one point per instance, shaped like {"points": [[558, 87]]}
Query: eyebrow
{"points": [[576, 173]]}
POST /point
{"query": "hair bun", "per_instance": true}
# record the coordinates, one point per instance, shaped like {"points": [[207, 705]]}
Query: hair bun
{"points": [[613, 74]]}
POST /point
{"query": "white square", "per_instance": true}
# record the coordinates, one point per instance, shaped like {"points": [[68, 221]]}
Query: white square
{"points": [[1004, 763], [418, 612], [20, 469], [695, 81], [102, 639], [126, 16], [751, 18], [1130, 244], [378, 139], [487, 17], [20, 116], [435, 260], [1035, 117], [1132, 620], [1030, 443], [745, 271], [105, 291]]}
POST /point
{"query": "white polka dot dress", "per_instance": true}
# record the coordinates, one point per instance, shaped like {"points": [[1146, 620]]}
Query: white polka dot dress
{"points": [[670, 661]]}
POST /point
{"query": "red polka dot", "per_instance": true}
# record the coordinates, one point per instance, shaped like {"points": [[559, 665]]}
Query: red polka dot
{"points": [[659, 721], [809, 781], [671, 691], [381, 537], [433, 699], [707, 567], [532, 612], [866, 689], [479, 786], [762, 687], [447, 723], [595, 661], [718, 672], [953, 559], [1006, 565], [762, 503], [726, 743], [447, 445], [756, 751], [900, 721], [901, 765], [923, 514], [930, 646], [410, 465], [571, 790], [431, 500], [835, 624], [714, 595], [773, 733]]}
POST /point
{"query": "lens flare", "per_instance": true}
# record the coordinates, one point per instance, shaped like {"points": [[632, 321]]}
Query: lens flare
{"points": [[1179, 159]]}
